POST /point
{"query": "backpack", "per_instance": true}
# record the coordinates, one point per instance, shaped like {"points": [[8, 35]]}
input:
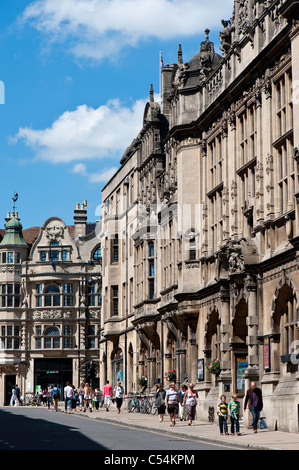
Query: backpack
{"points": [[56, 393]]}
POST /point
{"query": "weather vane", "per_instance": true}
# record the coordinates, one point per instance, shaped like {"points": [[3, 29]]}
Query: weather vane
{"points": [[15, 198]]}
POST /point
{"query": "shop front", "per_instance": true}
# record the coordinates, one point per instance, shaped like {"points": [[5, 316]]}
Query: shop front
{"points": [[49, 372]]}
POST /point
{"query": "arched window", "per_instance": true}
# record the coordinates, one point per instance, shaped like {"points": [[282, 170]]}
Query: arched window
{"points": [[52, 338], [52, 297], [54, 243], [97, 255]]}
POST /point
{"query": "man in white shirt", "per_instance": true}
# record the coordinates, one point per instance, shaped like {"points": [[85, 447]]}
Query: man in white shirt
{"points": [[68, 396], [172, 402], [119, 395]]}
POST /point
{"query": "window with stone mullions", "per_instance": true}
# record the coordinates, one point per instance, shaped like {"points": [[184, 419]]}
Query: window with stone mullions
{"points": [[10, 337], [247, 132], [284, 143], [216, 221], [215, 162], [10, 295]]}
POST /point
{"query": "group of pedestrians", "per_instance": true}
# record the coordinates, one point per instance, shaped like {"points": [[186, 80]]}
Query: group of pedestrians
{"points": [[178, 403], [253, 400], [16, 398], [183, 404], [85, 397]]}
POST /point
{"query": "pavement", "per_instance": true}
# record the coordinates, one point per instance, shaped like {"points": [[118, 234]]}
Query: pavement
{"points": [[264, 439]]}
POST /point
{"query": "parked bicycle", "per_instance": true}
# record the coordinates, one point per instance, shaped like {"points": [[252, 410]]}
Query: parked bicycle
{"points": [[140, 404], [31, 400]]}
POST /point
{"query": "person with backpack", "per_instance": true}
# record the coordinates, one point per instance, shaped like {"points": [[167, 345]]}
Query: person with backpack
{"points": [[56, 397], [50, 397]]}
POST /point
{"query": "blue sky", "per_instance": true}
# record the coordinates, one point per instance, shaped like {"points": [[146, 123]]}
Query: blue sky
{"points": [[77, 75]]}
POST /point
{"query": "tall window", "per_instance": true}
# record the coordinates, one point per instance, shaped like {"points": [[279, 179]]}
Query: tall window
{"points": [[52, 296], [289, 319], [114, 251], [215, 162], [91, 337], [247, 133], [97, 255], [151, 270], [52, 338], [114, 293], [10, 337], [10, 295], [216, 220], [285, 165]]}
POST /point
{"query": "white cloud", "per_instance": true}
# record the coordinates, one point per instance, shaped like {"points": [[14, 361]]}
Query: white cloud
{"points": [[99, 177], [86, 133], [98, 29]]}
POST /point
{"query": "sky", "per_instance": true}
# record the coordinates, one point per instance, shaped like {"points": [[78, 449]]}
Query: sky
{"points": [[75, 77]]}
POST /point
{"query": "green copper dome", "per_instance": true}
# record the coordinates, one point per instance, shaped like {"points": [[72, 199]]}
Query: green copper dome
{"points": [[13, 233]]}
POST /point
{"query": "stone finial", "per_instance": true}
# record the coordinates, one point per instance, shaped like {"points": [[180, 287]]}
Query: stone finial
{"points": [[151, 97], [180, 55]]}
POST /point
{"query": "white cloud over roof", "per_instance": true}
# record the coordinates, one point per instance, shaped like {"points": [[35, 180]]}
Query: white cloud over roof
{"points": [[97, 29]]}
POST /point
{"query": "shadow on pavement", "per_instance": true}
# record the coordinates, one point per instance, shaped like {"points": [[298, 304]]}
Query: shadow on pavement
{"points": [[19, 432]]}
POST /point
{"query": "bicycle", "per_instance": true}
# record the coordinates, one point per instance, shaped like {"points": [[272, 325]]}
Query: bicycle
{"points": [[133, 405], [31, 400]]}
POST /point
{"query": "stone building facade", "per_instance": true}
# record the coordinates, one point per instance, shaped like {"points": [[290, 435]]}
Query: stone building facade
{"points": [[50, 304], [200, 223]]}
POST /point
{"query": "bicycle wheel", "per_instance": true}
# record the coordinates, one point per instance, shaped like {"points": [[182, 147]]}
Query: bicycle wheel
{"points": [[130, 406], [149, 406]]}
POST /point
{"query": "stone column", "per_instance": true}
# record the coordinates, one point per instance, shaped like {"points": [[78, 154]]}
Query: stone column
{"points": [[192, 372], [226, 372], [181, 355], [252, 372], [151, 371], [252, 324]]}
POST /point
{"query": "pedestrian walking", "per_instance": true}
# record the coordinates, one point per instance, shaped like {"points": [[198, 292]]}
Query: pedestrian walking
{"points": [[87, 397], [222, 415], [183, 407], [13, 400], [44, 395], [191, 399], [107, 395], [234, 413], [160, 401], [98, 398], [172, 402], [254, 400], [68, 396], [81, 396], [56, 397], [74, 399], [18, 393], [50, 397], [119, 395]]}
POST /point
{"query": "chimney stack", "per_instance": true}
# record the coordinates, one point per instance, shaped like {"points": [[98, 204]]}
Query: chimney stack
{"points": [[80, 218]]}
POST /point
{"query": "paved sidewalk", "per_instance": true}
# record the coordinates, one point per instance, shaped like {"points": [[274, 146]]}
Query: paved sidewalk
{"points": [[263, 440]]}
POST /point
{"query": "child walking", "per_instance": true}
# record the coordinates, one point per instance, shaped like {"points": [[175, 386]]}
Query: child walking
{"points": [[222, 415], [234, 413]]}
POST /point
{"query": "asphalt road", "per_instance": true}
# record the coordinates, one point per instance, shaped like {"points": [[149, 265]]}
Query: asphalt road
{"points": [[24, 428]]}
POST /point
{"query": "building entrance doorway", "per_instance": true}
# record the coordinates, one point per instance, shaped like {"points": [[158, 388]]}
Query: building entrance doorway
{"points": [[49, 372], [10, 381]]}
